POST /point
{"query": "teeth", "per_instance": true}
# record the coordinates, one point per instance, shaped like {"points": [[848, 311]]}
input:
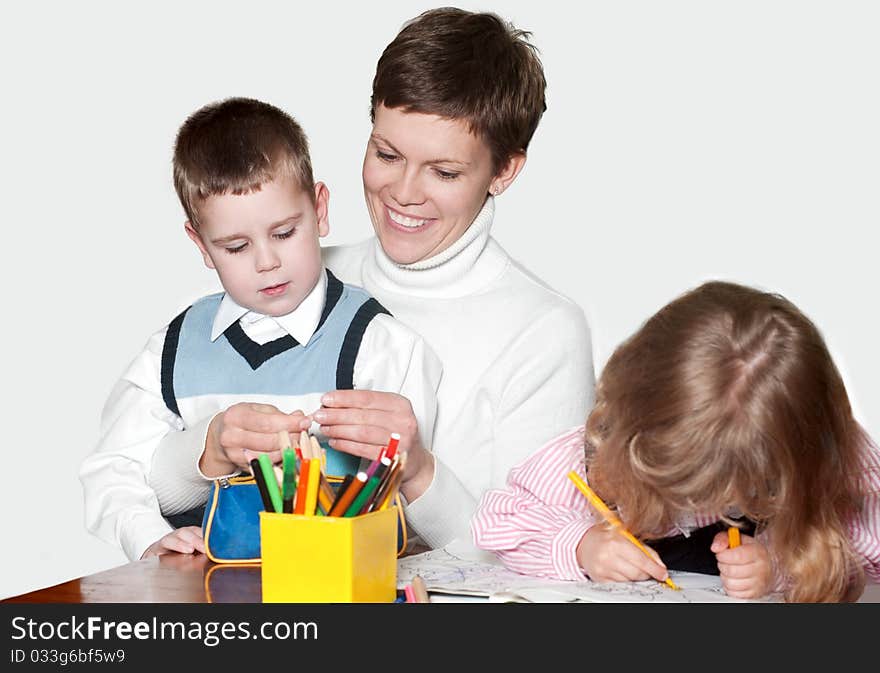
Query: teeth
{"points": [[404, 221]]}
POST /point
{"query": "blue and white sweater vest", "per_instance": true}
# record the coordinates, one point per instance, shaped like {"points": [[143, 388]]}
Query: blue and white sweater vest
{"points": [[201, 377]]}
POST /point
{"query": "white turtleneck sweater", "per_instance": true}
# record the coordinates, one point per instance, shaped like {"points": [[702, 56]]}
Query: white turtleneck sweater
{"points": [[517, 363], [517, 367]]}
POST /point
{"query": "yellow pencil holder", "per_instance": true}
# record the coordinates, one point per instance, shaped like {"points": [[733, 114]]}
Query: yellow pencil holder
{"points": [[329, 559]]}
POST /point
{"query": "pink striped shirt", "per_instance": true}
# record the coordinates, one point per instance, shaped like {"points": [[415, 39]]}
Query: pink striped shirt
{"points": [[536, 523]]}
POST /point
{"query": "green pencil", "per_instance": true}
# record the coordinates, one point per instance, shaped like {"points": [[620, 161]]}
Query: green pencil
{"points": [[355, 507], [288, 481], [271, 481]]}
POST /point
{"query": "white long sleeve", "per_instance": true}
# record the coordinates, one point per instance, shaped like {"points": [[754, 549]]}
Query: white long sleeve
{"points": [[120, 506]]}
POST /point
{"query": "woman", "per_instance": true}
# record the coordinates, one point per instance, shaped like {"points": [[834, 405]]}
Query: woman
{"points": [[456, 99]]}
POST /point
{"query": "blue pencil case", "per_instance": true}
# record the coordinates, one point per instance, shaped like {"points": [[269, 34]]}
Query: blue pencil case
{"points": [[231, 525]]}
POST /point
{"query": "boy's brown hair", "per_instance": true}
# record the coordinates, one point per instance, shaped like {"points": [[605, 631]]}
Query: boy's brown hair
{"points": [[234, 146], [728, 397], [467, 66]]}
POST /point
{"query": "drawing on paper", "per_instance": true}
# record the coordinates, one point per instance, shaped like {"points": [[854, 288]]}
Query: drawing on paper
{"points": [[446, 573]]}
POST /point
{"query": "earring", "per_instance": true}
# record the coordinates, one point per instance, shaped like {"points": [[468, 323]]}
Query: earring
{"points": [[496, 190]]}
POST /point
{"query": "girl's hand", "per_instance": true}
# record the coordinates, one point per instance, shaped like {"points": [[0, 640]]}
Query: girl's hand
{"points": [[607, 556], [360, 422], [746, 571], [186, 540]]}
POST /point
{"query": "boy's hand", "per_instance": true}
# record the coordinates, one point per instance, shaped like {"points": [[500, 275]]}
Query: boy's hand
{"points": [[360, 422], [746, 571], [247, 426], [607, 556], [186, 540]]}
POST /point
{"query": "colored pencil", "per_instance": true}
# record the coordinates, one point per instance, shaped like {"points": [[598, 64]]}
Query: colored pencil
{"points": [[391, 449], [283, 440], [410, 594], [733, 539], [288, 479], [257, 471], [306, 445], [385, 484], [312, 487], [271, 482], [318, 452], [345, 498], [383, 462], [611, 518], [299, 506], [390, 492], [420, 590], [346, 480], [326, 496], [358, 503]]}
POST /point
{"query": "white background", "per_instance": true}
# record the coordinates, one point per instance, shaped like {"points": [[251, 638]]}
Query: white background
{"points": [[683, 141]]}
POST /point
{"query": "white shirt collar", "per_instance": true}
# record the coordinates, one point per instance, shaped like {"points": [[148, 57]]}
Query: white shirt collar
{"points": [[300, 323]]}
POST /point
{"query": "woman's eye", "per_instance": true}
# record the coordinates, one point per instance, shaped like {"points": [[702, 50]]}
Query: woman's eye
{"points": [[385, 156], [236, 249], [281, 235], [447, 175]]}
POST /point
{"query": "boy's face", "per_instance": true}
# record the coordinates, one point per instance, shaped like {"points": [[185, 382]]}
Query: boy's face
{"points": [[425, 180], [264, 245]]}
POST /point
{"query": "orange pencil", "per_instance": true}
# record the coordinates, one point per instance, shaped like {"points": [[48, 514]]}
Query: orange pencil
{"points": [[326, 495], [350, 493], [611, 517], [299, 506], [733, 539]]}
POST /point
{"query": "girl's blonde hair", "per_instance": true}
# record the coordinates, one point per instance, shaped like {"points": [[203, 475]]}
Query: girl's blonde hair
{"points": [[728, 397]]}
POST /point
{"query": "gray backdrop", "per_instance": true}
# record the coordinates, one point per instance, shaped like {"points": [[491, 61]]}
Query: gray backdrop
{"points": [[683, 141]]}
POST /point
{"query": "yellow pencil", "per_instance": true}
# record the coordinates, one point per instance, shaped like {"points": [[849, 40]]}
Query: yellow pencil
{"points": [[610, 517], [318, 452], [312, 486], [733, 537]]}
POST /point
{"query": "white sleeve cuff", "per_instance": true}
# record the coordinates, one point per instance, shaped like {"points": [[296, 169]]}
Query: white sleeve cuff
{"points": [[443, 512], [175, 475], [140, 531]]}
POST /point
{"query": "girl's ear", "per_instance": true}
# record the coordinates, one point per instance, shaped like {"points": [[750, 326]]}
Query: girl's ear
{"points": [[507, 174], [196, 238]]}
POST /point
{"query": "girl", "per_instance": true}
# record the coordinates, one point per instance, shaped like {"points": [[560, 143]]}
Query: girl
{"points": [[725, 404]]}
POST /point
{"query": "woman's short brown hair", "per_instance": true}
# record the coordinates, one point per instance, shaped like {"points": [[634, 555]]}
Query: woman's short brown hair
{"points": [[234, 146], [471, 66]]}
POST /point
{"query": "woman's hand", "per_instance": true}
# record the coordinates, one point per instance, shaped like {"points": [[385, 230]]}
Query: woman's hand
{"points": [[186, 540], [243, 427], [360, 422], [746, 571], [607, 556]]}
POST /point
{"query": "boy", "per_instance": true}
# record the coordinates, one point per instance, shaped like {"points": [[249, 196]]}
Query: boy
{"points": [[283, 332]]}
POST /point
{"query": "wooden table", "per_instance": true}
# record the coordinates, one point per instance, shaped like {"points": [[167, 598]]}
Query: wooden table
{"points": [[183, 578], [170, 578]]}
